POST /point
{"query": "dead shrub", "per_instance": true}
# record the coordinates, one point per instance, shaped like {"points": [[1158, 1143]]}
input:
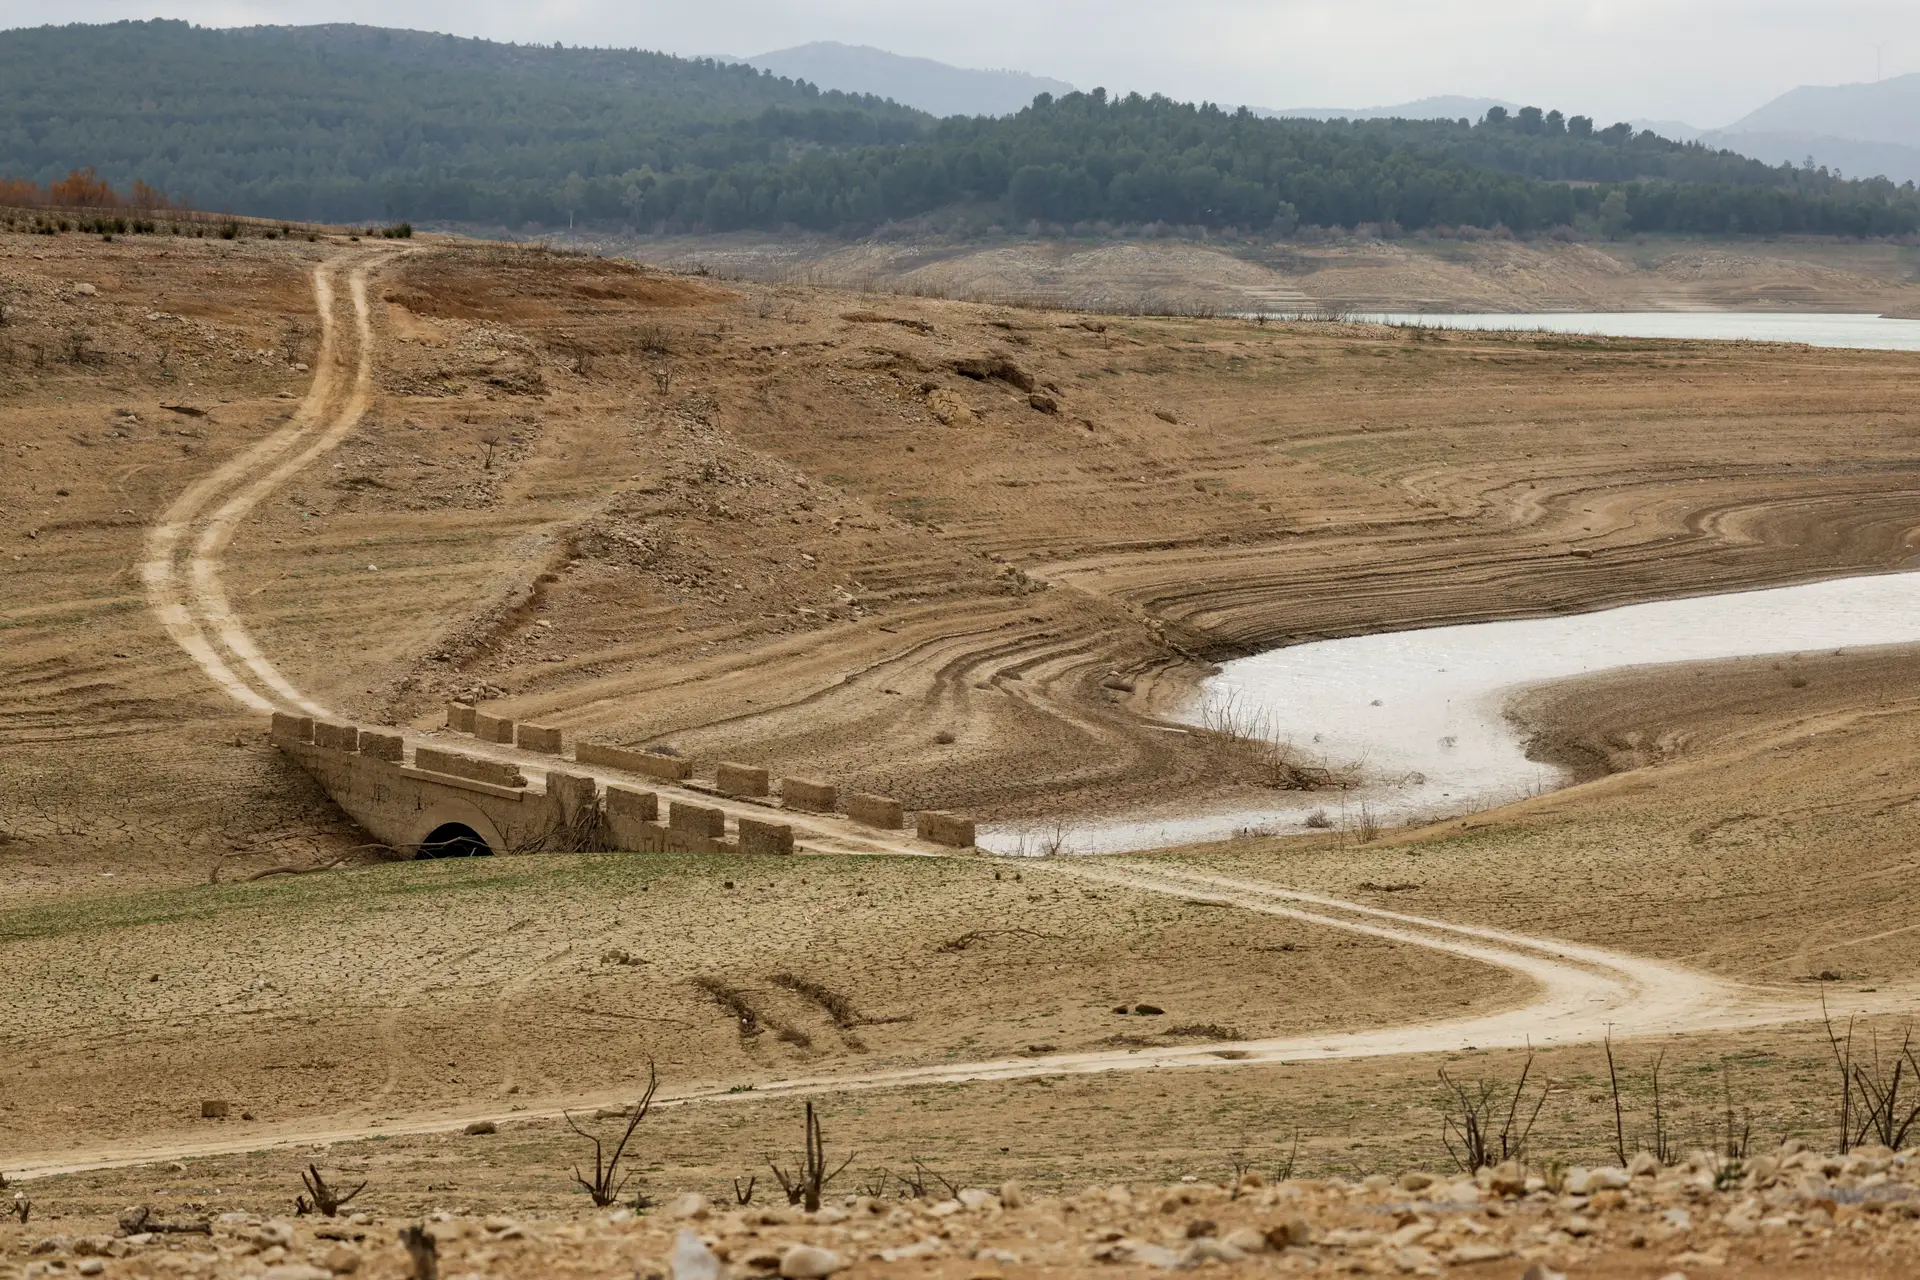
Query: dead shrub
{"points": [[607, 1182], [804, 1184], [1469, 1113]]}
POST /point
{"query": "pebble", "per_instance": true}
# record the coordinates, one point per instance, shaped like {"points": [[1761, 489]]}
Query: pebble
{"points": [[692, 1260], [808, 1262]]}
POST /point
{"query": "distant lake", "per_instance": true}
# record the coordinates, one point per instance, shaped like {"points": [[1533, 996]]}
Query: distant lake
{"points": [[1866, 332]]}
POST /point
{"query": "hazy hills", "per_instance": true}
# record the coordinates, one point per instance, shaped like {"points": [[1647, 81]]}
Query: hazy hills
{"points": [[921, 83], [1858, 128]]}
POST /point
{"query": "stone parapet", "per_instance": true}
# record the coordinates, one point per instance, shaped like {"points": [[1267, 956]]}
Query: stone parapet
{"points": [[537, 737], [936, 826], [501, 773], [652, 764], [740, 779], [390, 747], [765, 837], [806, 793], [335, 737], [883, 812]]}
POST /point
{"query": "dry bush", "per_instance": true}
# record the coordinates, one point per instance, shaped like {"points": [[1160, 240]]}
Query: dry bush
{"points": [[607, 1182], [1470, 1111], [805, 1184], [1873, 1105], [326, 1199]]}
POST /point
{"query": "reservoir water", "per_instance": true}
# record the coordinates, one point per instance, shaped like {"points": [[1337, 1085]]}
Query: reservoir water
{"points": [[1419, 715], [1864, 332]]}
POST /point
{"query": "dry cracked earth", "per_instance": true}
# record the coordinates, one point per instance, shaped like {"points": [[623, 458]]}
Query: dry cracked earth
{"points": [[964, 554]]}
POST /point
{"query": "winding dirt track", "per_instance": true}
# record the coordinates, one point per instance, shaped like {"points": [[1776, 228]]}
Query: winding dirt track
{"points": [[1583, 993]]}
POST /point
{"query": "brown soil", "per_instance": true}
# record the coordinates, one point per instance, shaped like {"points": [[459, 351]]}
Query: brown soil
{"points": [[731, 518], [1338, 274]]}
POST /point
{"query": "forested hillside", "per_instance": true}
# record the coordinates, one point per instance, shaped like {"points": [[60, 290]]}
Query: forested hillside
{"points": [[345, 123]]}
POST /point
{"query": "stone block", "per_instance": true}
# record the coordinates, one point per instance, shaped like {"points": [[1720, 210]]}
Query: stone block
{"points": [[501, 773], [805, 793], [652, 764], [936, 826], [538, 737], [291, 728], [876, 811], [214, 1109], [460, 717], [572, 792], [492, 728], [740, 779], [693, 842], [765, 837], [638, 806], [696, 819], [383, 746], [335, 737]]}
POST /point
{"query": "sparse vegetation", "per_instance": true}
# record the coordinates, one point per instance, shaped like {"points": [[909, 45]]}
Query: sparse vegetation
{"points": [[321, 1197], [809, 1179], [1470, 1113], [608, 1181]]}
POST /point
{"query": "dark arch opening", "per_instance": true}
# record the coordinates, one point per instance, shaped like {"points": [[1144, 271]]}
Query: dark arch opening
{"points": [[454, 840]]}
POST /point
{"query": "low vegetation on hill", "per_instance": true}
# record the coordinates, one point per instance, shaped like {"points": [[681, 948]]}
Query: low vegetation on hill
{"points": [[346, 123]]}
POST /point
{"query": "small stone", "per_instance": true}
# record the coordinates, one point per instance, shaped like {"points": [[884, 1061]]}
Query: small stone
{"points": [[692, 1260], [1473, 1252], [1294, 1231], [1202, 1227], [342, 1261], [1414, 1180], [1540, 1271], [1246, 1240], [691, 1205], [1011, 1195], [297, 1271], [1508, 1179], [1643, 1165], [1414, 1258], [1207, 1249], [479, 1127], [975, 1198], [808, 1262], [91, 1266]]}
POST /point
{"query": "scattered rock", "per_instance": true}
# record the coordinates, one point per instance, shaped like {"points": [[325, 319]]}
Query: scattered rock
{"points": [[693, 1205], [808, 1262], [692, 1260], [1246, 1240], [479, 1127], [1043, 402]]}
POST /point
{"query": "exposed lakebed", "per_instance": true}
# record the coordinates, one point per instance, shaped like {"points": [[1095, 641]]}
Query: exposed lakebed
{"points": [[1418, 718]]}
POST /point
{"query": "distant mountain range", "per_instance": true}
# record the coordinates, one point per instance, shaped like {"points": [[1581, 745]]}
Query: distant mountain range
{"points": [[1861, 129], [922, 83]]}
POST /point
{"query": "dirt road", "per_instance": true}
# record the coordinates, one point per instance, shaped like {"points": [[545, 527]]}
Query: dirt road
{"points": [[1583, 993]]}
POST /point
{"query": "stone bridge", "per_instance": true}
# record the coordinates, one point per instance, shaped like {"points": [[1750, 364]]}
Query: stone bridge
{"points": [[435, 798]]}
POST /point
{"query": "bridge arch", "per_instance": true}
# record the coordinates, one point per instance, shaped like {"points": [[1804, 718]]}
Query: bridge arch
{"points": [[453, 828]]}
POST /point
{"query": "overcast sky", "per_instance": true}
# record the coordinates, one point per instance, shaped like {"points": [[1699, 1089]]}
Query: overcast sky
{"points": [[1703, 61]]}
